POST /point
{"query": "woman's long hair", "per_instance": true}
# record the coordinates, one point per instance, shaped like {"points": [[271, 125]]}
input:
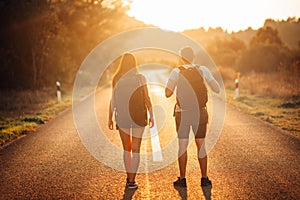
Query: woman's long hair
{"points": [[127, 63]]}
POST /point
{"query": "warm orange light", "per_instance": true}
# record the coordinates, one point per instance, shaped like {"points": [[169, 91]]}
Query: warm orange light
{"points": [[231, 15]]}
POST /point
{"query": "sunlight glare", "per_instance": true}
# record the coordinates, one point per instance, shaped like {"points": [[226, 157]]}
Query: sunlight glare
{"points": [[157, 90], [231, 15]]}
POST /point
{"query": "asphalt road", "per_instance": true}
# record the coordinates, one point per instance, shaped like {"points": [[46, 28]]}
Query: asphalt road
{"points": [[251, 160]]}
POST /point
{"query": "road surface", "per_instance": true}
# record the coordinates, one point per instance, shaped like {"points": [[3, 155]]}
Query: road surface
{"points": [[251, 160]]}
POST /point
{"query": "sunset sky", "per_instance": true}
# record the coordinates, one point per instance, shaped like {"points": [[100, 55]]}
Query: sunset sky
{"points": [[233, 15]]}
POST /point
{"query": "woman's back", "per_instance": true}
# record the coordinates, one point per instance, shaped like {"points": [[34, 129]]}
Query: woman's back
{"points": [[129, 100]]}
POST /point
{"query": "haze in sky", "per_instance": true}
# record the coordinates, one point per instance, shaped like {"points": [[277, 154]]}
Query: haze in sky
{"points": [[230, 15]]}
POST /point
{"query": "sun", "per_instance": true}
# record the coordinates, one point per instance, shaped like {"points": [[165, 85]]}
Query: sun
{"points": [[230, 15]]}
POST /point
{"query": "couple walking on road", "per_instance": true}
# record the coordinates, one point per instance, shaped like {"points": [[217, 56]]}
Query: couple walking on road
{"points": [[131, 106]]}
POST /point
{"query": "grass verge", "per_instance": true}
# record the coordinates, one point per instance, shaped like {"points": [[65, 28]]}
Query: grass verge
{"points": [[23, 112], [283, 113]]}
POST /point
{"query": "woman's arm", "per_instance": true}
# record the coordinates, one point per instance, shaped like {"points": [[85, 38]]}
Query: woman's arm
{"points": [[110, 110], [110, 114], [149, 106]]}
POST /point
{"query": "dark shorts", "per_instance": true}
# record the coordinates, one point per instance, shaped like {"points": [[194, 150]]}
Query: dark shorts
{"points": [[185, 120], [125, 121], [127, 126]]}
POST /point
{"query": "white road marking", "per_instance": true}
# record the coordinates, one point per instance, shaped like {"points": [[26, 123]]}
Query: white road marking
{"points": [[147, 190], [155, 143], [156, 78]]}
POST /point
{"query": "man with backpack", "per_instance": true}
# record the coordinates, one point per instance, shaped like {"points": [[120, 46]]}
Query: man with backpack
{"points": [[190, 81]]}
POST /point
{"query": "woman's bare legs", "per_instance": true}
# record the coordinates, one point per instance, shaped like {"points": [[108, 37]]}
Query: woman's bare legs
{"points": [[131, 161], [126, 142], [137, 134]]}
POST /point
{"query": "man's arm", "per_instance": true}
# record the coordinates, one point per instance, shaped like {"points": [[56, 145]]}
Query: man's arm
{"points": [[168, 92], [210, 80], [170, 88], [214, 85]]}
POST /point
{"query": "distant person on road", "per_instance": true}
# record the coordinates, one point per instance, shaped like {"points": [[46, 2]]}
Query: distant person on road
{"points": [[190, 110], [130, 104]]}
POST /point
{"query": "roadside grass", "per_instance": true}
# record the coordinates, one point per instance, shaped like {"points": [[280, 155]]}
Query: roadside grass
{"points": [[281, 113], [24, 111], [272, 97]]}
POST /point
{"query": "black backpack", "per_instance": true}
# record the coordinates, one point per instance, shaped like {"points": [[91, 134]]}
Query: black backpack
{"points": [[129, 100], [191, 84]]}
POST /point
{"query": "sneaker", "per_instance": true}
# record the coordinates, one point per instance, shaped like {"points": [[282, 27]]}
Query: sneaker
{"points": [[205, 182], [180, 182], [132, 185]]}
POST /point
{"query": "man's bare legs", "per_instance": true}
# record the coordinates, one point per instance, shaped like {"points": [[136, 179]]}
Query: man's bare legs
{"points": [[182, 156], [202, 157]]}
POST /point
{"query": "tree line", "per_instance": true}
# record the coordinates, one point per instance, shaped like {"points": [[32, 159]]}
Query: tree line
{"points": [[272, 48], [43, 41]]}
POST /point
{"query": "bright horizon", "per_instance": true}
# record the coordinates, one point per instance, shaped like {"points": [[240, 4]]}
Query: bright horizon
{"points": [[230, 15]]}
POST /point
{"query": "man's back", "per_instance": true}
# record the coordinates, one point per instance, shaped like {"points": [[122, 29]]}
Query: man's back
{"points": [[191, 89]]}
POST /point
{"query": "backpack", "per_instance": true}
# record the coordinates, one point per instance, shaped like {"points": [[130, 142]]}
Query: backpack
{"points": [[190, 85], [129, 101]]}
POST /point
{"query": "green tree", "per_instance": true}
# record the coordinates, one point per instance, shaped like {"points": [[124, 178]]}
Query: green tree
{"points": [[46, 40], [266, 36], [266, 53], [262, 58], [225, 52]]}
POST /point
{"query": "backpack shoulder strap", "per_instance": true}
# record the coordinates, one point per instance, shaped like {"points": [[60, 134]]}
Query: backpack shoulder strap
{"points": [[181, 68], [140, 79], [196, 67]]}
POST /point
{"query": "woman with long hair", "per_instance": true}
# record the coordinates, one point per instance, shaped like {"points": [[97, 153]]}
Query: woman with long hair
{"points": [[130, 104]]}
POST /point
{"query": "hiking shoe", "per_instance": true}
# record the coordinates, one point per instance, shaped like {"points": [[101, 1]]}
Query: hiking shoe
{"points": [[180, 182], [205, 182], [132, 185]]}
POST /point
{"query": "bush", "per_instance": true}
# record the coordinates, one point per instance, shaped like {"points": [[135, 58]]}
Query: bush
{"points": [[262, 58]]}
